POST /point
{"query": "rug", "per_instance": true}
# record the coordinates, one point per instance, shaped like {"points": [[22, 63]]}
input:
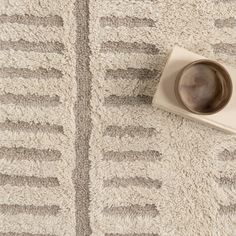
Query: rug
{"points": [[82, 150], [37, 118]]}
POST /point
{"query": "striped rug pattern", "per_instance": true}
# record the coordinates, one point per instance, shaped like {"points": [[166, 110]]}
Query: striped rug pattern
{"points": [[37, 127], [153, 173], [82, 152]]}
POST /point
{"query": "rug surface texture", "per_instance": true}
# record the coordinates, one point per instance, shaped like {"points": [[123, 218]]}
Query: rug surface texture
{"points": [[82, 151]]}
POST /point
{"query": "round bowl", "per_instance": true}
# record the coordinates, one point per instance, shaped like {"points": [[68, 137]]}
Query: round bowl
{"points": [[203, 87]]}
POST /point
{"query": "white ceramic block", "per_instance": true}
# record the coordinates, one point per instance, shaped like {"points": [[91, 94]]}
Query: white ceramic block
{"points": [[165, 99]]}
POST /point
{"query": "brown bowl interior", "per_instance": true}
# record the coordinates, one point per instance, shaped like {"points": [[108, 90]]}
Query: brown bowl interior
{"points": [[204, 87]]}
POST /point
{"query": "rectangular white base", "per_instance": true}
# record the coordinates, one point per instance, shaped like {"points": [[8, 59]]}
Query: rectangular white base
{"points": [[165, 99]]}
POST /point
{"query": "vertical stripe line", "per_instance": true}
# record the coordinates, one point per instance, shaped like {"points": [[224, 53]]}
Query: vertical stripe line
{"points": [[83, 119]]}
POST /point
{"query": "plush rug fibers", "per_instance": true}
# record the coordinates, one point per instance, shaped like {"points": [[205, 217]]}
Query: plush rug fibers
{"points": [[82, 151]]}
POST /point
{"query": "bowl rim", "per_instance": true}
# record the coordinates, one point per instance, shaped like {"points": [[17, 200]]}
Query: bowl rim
{"points": [[219, 67]]}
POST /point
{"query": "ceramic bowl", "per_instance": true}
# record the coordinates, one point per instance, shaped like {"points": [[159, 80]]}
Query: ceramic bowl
{"points": [[203, 87]]}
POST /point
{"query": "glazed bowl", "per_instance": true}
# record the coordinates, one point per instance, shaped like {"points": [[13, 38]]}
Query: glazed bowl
{"points": [[203, 87]]}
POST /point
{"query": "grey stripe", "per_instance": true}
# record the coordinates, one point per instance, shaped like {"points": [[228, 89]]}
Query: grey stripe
{"points": [[131, 73], [132, 156], [30, 127], [82, 111], [230, 209], [23, 45], [225, 48], [30, 99], [23, 234], [31, 154], [52, 210], [225, 1], [133, 210], [114, 100], [127, 21], [132, 234], [32, 20], [230, 182], [132, 131], [31, 181], [222, 23], [133, 181], [126, 47], [40, 73], [227, 155]]}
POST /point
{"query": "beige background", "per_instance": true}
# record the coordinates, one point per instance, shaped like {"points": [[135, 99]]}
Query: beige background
{"points": [[82, 152], [154, 173]]}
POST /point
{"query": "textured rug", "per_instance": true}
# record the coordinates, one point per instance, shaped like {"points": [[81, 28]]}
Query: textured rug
{"points": [[37, 118], [82, 152]]}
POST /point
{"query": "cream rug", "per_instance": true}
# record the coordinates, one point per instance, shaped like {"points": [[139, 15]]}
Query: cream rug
{"points": [[82, 150]]}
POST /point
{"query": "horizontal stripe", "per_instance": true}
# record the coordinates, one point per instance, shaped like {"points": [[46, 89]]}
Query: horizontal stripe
{"points": [[128, 100], [133, 181], [230, 182], [142, 234], [225, 48], [126, 47], [133, 210], [23, 234], [40, 73], [30, 127], [30, 99], [131, 73], [228, 210], [32, 20], [127, 21], [224, 1], [31, 181], [29, 209], [23, 45], [132, 131], [226, 23], [30, 154], [132, 156]]}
